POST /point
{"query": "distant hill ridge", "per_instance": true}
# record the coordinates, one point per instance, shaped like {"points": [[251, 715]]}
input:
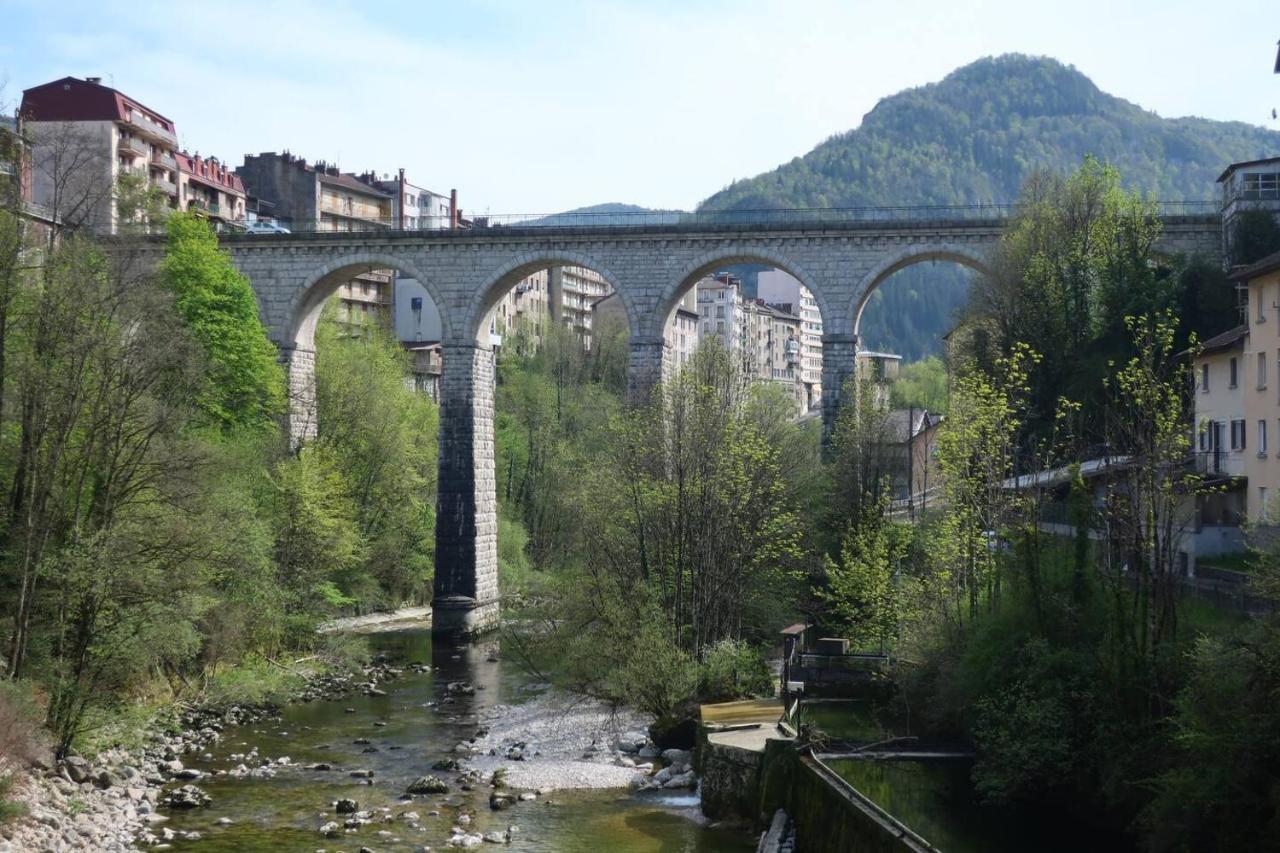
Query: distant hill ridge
{"points": [[973, 137]]}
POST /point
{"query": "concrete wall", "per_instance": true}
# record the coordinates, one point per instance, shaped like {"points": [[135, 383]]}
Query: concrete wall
{"points": [[830, 816]]}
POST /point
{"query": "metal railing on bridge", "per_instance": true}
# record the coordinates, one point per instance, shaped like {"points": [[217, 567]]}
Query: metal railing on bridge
{"points": [[945, 214]]}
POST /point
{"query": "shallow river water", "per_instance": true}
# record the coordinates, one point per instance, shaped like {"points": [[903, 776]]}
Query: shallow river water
{"points": [[285, 812]]}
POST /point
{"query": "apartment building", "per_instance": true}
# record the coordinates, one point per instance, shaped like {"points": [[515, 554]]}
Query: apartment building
{"points": [[85, 137], [1261, 386], [573, 291], [785, 291], [680, 331], [1221, 431], [772, 351], [415, 208], [207, 185], [722, 312], [321, 197]]}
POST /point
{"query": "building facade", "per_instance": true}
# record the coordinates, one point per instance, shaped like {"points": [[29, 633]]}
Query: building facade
{"points": [[680, 332], [573, 292], [1261, 386], [1221, 430], [209, 186], [87, 137], [785, 291], [1252, 185]]}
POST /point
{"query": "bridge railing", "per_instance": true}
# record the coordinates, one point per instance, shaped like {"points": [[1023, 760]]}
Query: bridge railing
{"points": [[949, 214]]}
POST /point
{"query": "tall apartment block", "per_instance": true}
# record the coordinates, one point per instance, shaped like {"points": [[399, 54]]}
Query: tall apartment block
{"points": [[84, 137], [786, 292]]}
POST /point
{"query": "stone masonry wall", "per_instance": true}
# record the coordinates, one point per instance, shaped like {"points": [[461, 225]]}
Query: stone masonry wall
{"points": [[465, 272]]}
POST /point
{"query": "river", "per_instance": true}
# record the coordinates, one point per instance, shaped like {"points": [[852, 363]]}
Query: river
{"points": [[410, 729]]}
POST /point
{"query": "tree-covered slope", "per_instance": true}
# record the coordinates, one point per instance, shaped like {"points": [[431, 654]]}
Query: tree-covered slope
{"points": [[972, 138]]}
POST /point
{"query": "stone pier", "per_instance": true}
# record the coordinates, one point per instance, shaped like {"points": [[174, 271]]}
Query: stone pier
{"points": [[300, 374], [465, 600], [839, 363]]}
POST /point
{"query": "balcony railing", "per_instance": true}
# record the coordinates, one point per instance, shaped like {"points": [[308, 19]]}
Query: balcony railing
{"points": [[151, 128], [164, 185], [163, 158], [133, 145]]}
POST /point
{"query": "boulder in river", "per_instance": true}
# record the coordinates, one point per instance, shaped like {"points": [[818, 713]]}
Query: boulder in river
{"points": [[501, 800], [346, 806], [428, 785], [188, 797]]}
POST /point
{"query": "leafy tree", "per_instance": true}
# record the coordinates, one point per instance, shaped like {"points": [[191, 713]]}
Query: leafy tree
{"points": [[922, 384], [245, 386], [863, 590]]}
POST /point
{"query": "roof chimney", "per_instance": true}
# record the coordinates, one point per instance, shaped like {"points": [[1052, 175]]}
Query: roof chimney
{"points": [[454, 213], [97, 81]]}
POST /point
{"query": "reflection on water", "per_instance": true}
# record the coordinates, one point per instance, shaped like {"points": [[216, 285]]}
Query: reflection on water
{"points": [[936, 800], [407, 730]]}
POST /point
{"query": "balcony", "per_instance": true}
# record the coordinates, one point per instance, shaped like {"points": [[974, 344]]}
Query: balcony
{"points": [[146, 126], [208, 207], [164, 185], [134, 145], [163, 158], [359, 214]]}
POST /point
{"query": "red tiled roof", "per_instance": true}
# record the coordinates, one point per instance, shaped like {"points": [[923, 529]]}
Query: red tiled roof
{"points": [[72, 99], [208, 172]]}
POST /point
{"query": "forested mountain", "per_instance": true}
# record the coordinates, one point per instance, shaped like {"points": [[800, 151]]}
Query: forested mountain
{"points": [[972, 138]]}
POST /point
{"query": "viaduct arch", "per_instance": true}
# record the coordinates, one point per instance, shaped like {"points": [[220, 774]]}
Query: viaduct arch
{"points": [[841, 260]]}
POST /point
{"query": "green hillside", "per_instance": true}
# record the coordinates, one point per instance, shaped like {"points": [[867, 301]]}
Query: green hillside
{"points": [[972, 138]]}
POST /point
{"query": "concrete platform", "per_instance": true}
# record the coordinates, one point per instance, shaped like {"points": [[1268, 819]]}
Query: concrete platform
{"points": [[764, 714]]}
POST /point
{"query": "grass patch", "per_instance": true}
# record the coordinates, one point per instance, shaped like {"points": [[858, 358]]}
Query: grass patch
{"points": [[255, 681]]}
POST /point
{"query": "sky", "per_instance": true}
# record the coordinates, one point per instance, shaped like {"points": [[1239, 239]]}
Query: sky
{"points": [[537, 106]]}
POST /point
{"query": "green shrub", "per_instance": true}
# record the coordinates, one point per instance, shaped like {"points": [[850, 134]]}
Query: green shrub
{"points": [[733, 669]]}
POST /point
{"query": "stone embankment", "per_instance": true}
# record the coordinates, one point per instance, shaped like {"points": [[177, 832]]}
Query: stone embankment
{"points": [[113, 803]]}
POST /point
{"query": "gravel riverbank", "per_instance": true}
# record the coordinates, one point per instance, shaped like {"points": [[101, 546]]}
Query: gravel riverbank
{"points": [[112, 803], [556, 741]]}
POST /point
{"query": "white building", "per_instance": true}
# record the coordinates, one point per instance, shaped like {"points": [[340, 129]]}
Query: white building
{"points": [[786, 292]]}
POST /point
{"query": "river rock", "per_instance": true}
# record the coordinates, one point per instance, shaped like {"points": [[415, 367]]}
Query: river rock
{"points": [[331, 830], [632, 742], [466, 840], [188, 797], [361, 774], [78, 769], [428, 785], [677, 756], [501, 800], [346, 806], [445, 764], [497, 838]]}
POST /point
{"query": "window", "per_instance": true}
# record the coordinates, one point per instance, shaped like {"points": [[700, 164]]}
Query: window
{"points": [[1233, 372], [1237, 434], [1261, 185], [1262, 437], [1204, 377], [1262, 500], [1262, 314], [1262, 370]]}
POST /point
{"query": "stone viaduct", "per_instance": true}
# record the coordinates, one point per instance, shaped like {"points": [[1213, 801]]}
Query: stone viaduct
{"points": [[840, 259]]}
